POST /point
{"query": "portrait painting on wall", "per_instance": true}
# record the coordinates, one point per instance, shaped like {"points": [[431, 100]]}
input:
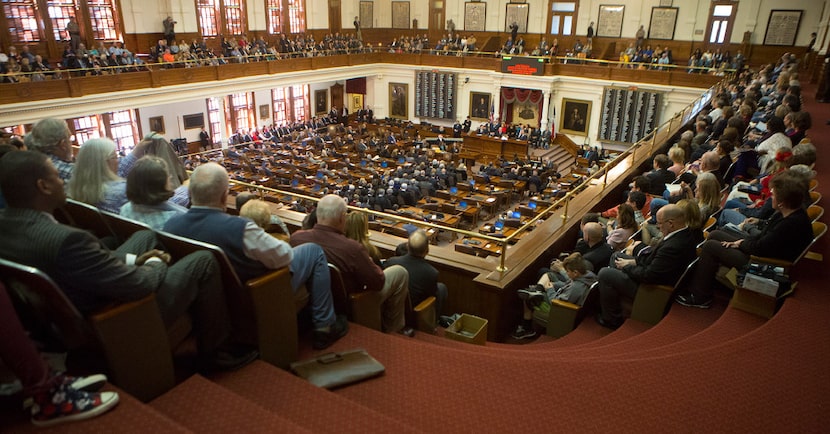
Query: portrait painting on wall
{"points": [[398, 104], [320, 102], [575, 117], [157, 124], [479, 105]]}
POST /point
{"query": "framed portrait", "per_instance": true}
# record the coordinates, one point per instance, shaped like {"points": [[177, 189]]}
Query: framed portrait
{"points": [[355, 102], [480, 106], [782, 27], [191, 122], [400, 15], [157, 124], [663, 22], [576, 116], [516, 13], [609, 23], [321, 104], [474, 16], [264, 112], [367, 14], [399, 100]]}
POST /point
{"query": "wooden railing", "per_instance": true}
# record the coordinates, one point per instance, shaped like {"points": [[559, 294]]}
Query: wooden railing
{"points": [[73, 84]]}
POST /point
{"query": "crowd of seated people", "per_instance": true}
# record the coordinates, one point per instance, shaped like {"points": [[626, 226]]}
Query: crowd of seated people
{"points": [[701, 61], [25, 66], [768, 172], [390, 169]]}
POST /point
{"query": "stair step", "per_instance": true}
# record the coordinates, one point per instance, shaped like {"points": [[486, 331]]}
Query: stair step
{"points": [[308, 406], [206, 407], [130, 416], [733, 324]]}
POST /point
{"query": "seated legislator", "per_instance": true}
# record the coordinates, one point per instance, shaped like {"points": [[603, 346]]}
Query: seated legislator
{"points": [[785, 236], [660, 265], [423, 277], [92, 276], [253, 252], [358, 271], [571, 281]]}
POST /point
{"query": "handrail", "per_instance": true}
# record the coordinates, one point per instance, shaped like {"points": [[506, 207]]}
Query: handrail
{"points": [[252, 58]]}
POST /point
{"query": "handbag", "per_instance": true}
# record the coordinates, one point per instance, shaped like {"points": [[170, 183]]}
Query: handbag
{"points": [[332, 370]]}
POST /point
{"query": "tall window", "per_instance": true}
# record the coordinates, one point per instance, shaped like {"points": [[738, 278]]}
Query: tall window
{"points": [[299, 102], [296, 15], [21, 16], [215, 119], [562, 18], [86, 127], [242, 110], [233, 16], [122, 129], [280, 113], [721, 17], [60, 12], [274, 13], [207, 17], [102, 17], [225, 17]]}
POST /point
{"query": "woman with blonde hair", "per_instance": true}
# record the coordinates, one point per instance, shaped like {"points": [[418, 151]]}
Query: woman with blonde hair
{"points": [[357, 228], [260, 212], [94, 180], [708, 194], [678, 156]]}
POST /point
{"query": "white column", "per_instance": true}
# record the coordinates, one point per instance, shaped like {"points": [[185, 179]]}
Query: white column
{"points": [[497, 100], [223, 127], [543, 122]]}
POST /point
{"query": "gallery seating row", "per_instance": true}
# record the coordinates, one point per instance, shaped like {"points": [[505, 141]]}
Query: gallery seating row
{"points": [[131, 336]]}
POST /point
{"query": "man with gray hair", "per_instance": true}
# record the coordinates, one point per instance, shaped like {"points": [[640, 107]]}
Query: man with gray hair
{"points": [[253, 252], [359, 272], [52, 137]]}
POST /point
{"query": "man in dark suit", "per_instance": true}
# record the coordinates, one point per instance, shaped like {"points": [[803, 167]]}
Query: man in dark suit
{"points": [[661, 265], [204, 139], [423, 277], [457, 129], [92, 276], [661, 175]]}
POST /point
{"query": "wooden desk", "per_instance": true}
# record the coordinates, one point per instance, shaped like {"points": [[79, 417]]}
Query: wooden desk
{"points": [[493, 148], [480, 247]]}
